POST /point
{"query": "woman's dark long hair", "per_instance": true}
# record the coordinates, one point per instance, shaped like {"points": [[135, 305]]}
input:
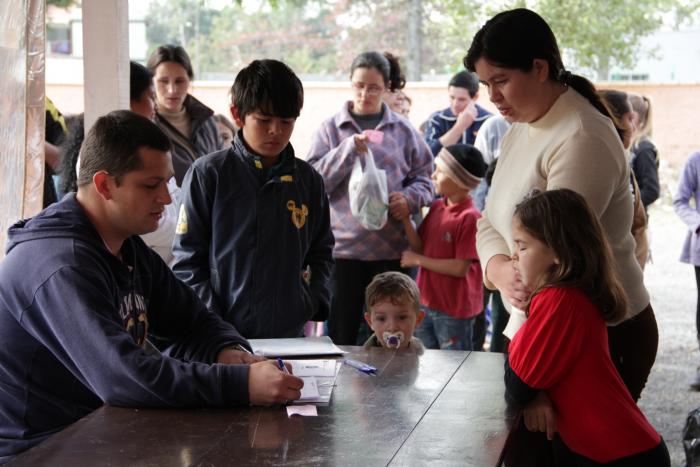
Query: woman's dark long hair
{"points": [[562, 220], [514, 38], [386, 64]]}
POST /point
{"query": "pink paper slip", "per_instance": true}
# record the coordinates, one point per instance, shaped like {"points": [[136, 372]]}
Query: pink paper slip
{"points": [[374, 136]]}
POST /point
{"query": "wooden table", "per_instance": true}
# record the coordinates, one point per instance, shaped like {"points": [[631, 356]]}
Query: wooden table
{"points": [[441, 408]]}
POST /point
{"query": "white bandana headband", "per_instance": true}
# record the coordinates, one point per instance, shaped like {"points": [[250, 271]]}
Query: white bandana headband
{"points": [[455, 171]]}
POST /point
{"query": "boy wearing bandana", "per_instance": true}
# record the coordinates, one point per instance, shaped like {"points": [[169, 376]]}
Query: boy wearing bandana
{"points": [[444, 250]]}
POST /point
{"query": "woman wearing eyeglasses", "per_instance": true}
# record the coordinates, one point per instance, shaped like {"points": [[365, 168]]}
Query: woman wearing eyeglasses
{"points": [[360, 254]]}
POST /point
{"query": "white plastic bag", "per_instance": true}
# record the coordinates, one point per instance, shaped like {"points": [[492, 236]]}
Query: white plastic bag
{"points": [[369, 195]]}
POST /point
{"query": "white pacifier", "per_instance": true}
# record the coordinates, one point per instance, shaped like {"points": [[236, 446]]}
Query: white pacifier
{"points": [[393, 339]]}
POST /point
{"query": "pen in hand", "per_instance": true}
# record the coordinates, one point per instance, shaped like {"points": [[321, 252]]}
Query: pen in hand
{"points": [[281, 365]]}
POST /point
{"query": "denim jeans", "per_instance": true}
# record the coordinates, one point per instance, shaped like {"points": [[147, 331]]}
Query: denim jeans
{"points": [[441, 331]]}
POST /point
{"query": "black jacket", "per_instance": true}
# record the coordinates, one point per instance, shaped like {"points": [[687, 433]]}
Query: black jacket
{"points": [[645, 165], [246, 236]]}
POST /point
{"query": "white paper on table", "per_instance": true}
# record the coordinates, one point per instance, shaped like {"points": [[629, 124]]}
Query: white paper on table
{"points": [[295, 346], [325, 368], [310, 389], [314, 369], [303, 410]]}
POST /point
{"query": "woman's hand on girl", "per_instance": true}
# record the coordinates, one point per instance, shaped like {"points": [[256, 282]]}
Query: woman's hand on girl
{"points": [[502, 273], [361, 143]]}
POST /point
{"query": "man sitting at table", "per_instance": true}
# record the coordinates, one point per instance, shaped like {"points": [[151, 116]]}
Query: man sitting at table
{"points": [[80, 292]]}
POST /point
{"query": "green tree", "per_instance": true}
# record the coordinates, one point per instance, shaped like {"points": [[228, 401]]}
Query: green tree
{"points": [[61, 3], [318, 37], [184, 22], [596, 34]]}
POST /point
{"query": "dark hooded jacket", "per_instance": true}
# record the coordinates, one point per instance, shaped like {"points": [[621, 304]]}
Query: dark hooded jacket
{"points": [[73, 327], [256, 244]]}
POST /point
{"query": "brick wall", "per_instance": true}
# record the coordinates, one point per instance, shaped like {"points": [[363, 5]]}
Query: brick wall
{"points": [[675, 128]]}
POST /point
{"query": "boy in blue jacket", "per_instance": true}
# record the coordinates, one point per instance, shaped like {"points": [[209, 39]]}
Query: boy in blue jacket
{"points": [[253, 237], [80, 292]]}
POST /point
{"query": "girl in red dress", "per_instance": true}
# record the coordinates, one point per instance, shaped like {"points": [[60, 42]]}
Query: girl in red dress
{"points": [[560, 356]]}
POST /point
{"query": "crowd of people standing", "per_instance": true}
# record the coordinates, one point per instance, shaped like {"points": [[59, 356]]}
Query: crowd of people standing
{"points": [[480, 209]]}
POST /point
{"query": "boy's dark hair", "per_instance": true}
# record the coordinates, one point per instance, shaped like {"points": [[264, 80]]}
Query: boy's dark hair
{"points": [[514, 39], [563, 221], [467, 80], [112, 144], [269, 86], [140, 80], [469, 157], [394, 286], [170, 53], [386, 64]]}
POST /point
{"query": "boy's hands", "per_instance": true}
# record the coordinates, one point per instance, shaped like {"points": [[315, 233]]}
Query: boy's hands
{"points": [[267, 385], [467, 116], [233, 356], [410, 259], [539, 415], [398, 206]]}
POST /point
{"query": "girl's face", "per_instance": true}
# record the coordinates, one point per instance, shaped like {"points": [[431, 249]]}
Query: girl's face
{"points": [[226, 134], [172, 84], [368, 87], [532, 258], [394, 100], [518, 95]]}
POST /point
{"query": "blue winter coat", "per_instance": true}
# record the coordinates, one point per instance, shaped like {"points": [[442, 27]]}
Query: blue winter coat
{"points": [[248, 237]]}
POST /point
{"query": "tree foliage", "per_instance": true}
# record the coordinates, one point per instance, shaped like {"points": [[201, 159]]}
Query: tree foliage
{"points": [[61, 3], [320, 38]]}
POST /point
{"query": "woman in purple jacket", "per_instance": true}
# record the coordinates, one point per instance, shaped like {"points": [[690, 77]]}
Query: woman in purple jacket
{"points": [[689, 187], [359, 253]]}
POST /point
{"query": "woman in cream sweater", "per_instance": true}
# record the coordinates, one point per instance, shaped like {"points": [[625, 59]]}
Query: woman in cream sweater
{"points": [[561, 137]]}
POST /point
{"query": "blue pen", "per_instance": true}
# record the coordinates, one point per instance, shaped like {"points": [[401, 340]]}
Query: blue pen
{"points": [[280, 364], [360, 366]]}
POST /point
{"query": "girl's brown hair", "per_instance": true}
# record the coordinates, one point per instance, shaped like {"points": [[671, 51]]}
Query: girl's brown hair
{"points": [[642, 105], [618, 104], [562, 220]]}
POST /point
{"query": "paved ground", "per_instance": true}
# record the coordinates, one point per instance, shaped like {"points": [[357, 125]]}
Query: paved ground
{"points": [[667, 398]]}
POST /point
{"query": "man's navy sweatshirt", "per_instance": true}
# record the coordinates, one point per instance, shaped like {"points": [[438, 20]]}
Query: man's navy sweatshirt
{"points": [[73, 323]]}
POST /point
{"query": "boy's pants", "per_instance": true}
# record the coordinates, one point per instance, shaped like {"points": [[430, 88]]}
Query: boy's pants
{"points": [[441, 331]]}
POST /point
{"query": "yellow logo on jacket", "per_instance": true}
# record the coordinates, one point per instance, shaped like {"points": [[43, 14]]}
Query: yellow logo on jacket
{"points": [[298, 214]]}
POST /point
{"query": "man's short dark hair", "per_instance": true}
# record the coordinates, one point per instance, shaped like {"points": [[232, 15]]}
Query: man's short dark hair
{"points": [[140, 80], [269, 86], [467, 80], [112, 144]]}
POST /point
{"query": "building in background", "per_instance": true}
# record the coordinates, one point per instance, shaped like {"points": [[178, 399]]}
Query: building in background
{"points": [[676, 59]]}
